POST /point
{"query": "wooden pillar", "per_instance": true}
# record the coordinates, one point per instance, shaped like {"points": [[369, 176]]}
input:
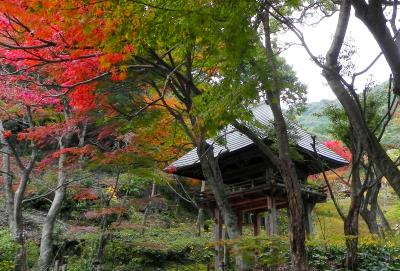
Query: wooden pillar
{"points": [[256, 223], [218, 237], [272, 220], [259, 222], [266, 223], [239, 215], [307, 217]]}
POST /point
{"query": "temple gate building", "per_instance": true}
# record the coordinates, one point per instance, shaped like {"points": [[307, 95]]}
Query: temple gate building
{"points": [[252, 184]]}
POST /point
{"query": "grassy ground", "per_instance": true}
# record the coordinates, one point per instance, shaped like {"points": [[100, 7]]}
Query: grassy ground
{"points": [[329, 225]]}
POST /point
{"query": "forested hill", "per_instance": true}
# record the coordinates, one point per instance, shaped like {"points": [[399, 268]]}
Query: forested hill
{"points": [[316, 123], [312, 120]]}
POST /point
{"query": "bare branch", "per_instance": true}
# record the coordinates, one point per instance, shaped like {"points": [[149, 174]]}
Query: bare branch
{"points": [[332, 195], [56, 188]]}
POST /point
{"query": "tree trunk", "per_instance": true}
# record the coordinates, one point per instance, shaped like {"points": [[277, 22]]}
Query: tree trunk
{"points": [[369, 209], [351, 221], [285, 165], [370, 218], [46, 243], [17, 225], [372, 16], [351, 235], [8, 180], [104, 237], [212, 174], [293, 190], [369, 141], [384, 222], [20, 260]]}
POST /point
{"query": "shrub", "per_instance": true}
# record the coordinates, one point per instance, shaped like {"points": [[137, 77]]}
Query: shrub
{"points": [[8, 249], [262, 251], [373, 254]]}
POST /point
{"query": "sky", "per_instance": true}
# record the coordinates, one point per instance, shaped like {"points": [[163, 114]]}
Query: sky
{"points": [[319, 38]]}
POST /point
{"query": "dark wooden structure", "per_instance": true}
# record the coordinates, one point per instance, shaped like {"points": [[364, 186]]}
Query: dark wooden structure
{"points": [[253, 185]]}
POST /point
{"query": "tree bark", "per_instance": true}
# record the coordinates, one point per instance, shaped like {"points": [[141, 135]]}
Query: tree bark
{"points": [[293, 190], [210, 167], [20, 261], [46, 243], [105, 235], [212, 174], [351, 228], [369, 209], [13, 203], [17, 230], [351, 235], [8, 179], [286, 166], [372, 16], [384, 222]]}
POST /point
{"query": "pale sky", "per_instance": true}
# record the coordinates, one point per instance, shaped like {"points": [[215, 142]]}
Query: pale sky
{"points": [[319, 38]]}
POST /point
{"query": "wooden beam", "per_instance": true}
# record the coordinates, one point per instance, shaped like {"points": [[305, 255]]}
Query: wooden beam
{"points": [[261, 209], [243, 202], [260, 204]]}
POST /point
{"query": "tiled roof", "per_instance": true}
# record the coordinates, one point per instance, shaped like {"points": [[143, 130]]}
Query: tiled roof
{"points": [[234, 140]]}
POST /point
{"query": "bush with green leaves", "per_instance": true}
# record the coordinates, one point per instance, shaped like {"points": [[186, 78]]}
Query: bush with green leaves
{"points": [[8, 249], [157, 247], [261, 251], [373, 254], [131, 250], [134, 184]]}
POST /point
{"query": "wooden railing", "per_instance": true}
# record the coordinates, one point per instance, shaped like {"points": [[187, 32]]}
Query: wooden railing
{"points": [[259, 183]]}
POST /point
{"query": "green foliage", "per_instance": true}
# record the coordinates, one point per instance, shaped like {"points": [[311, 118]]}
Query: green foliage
{"points": [[270, 251], [135, 184], [158, 247], [383, 258], [373, 105], [84, 260], [187, 267], [131, 250], [376, 255], [32, 253], [339, 126], [324, 257], [8, 249]]}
